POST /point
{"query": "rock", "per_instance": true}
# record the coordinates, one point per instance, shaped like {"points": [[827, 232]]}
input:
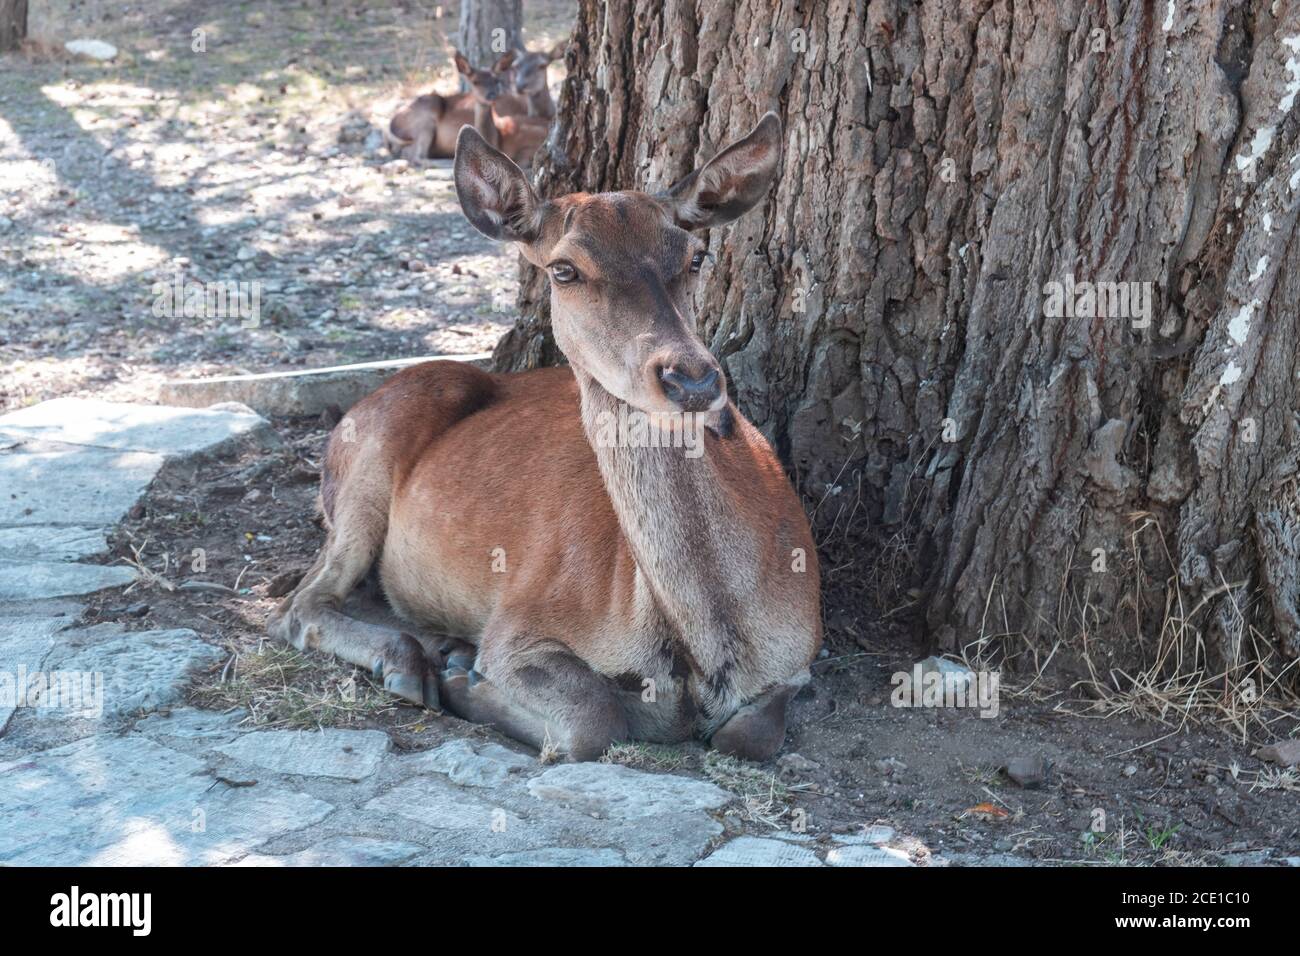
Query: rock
{"points": [[796, 764], [864, 855], [1250, 858], [488, 765], [188, 723], [1131, 770], [1284, 752], [348, 754], [59, 484], [874, 835], [51, 542], [307, 392], [158, 429], [24, 643], [434, 803], [113, 800], [92, 49], [1028, 772], [756, 851], [33, 580], [610, 791], [951, 670], [341, 851], [890, 766], [140, 670], [553, 856]]}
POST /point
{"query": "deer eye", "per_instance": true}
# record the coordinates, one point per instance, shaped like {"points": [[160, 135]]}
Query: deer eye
{"points": [[697, 262], [564, 273]]}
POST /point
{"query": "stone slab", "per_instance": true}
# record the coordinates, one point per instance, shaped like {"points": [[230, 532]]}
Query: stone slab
{"points": [[52, 483], [139, 670], [34, 580], [124, 426], [51, 543], [469, 765], [612, 791], [24, 643], [341, 851], [553, 856], [434, 803], [189, 723], [112, 800], [302, 392], [757, 851], [347, 754]]}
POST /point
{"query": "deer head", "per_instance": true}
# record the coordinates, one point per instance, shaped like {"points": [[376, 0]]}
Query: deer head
{"points": [[624, 265], [529, 68], [486, 85]]}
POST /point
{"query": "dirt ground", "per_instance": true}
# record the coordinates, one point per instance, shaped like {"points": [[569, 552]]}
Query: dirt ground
{"points": [[254, 160], [251, 161]]}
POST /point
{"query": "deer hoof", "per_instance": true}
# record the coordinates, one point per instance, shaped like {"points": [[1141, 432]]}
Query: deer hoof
{"points": [[464, 662], [406, 686]]}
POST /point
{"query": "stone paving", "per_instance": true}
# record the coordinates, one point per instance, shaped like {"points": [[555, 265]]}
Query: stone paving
{"points": [[101, 764]]}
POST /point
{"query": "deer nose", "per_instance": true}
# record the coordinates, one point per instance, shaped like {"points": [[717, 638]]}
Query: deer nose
{"points": [[688, 392]]}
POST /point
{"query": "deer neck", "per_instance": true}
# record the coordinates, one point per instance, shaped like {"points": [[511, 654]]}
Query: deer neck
{"points": [[485, 124], [540, 104], [697, 558]]}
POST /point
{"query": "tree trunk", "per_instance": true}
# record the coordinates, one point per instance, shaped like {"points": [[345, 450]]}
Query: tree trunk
{"points": [[910, 318], [13, 24], [488, 28]]}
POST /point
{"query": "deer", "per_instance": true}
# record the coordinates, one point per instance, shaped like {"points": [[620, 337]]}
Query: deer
{"points": [[528, 71], [567, 581], [426, 128], [517, 134]]}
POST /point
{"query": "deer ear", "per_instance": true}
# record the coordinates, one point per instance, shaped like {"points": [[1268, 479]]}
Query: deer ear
{"points": [[506, 62], [494, 194], [731, 183], [462, 64]]}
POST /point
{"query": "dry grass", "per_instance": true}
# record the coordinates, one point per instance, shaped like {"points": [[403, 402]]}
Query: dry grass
{"points": [[660, 758], [764, 798], [1174, 686], [280, 687]]}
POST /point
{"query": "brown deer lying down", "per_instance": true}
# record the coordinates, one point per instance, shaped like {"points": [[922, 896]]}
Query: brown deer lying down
{"points": [[518, 136], [426, 127], [612, 590]]}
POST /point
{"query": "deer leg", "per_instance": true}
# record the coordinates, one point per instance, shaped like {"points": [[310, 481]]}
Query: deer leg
{"points": [[757, 730], [541, 694], [419, 150], [309, 618]]}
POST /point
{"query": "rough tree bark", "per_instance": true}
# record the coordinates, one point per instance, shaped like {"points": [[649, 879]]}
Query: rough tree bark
{"points": [[13, 24], [488, 28], [1064, 476]]}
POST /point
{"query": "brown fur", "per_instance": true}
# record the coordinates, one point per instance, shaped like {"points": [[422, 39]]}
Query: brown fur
{"points": [[426, 128], [610, 592]]}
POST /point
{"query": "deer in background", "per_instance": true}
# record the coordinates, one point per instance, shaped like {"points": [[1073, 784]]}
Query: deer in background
{"points": [[608, 587], [528, 71], [517, 135], [426, 128]]}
